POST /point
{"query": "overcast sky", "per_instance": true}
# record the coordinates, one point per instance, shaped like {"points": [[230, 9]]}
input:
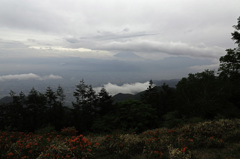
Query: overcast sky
{"points": [[132, 39]]}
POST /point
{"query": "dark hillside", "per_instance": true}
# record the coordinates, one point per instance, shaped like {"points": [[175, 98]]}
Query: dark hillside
{"points": [[6, 100]]}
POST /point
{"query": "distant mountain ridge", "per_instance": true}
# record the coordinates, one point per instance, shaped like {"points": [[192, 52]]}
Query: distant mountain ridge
{"points": [[170, 83], [6, 100], [120, 97]]}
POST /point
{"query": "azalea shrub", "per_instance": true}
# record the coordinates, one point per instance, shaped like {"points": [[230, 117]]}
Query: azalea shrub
{"points": [[69, 131], [121, 145], [28, 145], [214, 139]]}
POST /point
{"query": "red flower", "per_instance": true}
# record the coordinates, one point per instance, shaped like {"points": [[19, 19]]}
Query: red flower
{"points": [[97, 144], [184, 149], [171, 131], [73, 148], [156, 152], [84, 140], [89, 150], [10, 154], [161, 154], [27, 146]]}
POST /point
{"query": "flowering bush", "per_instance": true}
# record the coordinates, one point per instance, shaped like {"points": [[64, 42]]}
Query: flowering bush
{"points": [[176, 153], [21, 145], [121, 145], [69, 131], [80, 146], [189, 141]]}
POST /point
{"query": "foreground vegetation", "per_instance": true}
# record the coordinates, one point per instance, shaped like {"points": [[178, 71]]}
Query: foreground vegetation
{"points": [[217, 139]]}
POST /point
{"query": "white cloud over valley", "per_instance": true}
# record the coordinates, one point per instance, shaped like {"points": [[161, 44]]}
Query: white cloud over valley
{"points": [[29, 76], [127, 88]]}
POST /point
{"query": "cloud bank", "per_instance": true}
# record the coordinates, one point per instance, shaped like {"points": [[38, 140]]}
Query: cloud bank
{"points": [[112, 39], [28, 77], [170, 48], [127, 88], [201, 68]]}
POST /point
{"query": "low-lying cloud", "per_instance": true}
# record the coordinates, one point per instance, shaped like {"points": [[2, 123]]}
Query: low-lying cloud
{"points": [[127, 88], [28, 77], [201, 68], [58, 51]]}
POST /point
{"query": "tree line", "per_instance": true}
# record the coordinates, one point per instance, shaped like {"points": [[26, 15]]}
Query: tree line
{"points": [[200, 96]]}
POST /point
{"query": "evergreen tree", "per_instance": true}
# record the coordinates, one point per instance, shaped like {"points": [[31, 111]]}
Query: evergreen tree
{"points": [[202, 95], [230, 69], [58, 109], [35, 110], [104, 102], [104, 112], [230, 63], [84, 106], [162, 98], [60, 95], [236, 34], [15, 111], [50, 98]]}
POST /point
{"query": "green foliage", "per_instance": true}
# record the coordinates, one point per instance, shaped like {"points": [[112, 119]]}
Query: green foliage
{"points": [[236, 34], [176, 153], [135, 115], [229, 70], [45, 130], [34, 111], [69, 131], [161, 98], [104, 102], [172, 119], [230, 64], [127, 116], [202, 95], [90, 107]]}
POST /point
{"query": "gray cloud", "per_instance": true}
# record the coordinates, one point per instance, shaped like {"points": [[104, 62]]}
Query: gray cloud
{"points": [[200, 68], [28, 77], [106, 35], [157, 32], [26, 15], [170, 48]]}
